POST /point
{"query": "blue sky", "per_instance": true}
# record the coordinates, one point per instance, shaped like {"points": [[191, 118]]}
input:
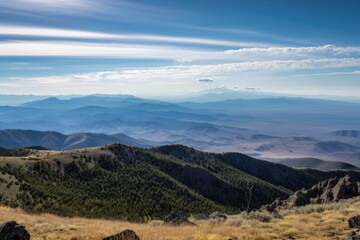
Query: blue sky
{"points": [[167, 48]]}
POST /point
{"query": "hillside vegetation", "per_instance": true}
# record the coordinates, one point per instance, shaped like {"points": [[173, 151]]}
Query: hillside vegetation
{"points": [[317, 222], [138, 184]]}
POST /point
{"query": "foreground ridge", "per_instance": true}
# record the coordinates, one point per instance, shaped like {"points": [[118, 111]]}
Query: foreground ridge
{"points": [[330, 190], [138, 184], [323, 222]]}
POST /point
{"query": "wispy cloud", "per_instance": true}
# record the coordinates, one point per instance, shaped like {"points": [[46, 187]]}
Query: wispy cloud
{"points": [[123, 45], [205, 80], [205, 71], [328, 74], [326, 49], [246, 33], [110, 10], [76, 6], [164, 80], [151, 50], [28, 31], [106, 50], [51, 5]]}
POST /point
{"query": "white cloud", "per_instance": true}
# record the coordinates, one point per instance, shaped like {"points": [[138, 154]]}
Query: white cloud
{"points": [[328, 74], [104, 50], [326, 49], [27, 31], [163, 81], [118, 10], [51, 5], [245, 32], [170, 52], [197, 71], [205, 80]]}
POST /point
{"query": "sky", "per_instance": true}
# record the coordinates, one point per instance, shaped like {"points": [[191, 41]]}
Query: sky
{"points": [[172, 48]]}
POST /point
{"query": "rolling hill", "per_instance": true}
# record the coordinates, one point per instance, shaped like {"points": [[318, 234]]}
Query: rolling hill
{"points": [[123, 182], [269, 127], [317, 164], [15, 138]]}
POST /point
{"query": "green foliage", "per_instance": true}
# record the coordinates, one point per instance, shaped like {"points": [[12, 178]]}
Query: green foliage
{"points": [[14, 152], [136, 184]]}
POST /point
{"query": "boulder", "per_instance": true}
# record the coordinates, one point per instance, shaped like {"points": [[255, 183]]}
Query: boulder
{"points": [[177, 218], [353, 236], [13, 231], [218, 216], [272, 206], [354, 222], [201, 216], [125, 235]]}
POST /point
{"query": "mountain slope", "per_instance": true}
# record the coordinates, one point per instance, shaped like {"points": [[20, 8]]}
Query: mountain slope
{"points": [[276, 174], [334, 146], [124, 182], [317, 164], [14, 138]]}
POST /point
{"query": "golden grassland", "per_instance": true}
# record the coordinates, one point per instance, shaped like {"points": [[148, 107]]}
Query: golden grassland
{"points": [[309, 222]]}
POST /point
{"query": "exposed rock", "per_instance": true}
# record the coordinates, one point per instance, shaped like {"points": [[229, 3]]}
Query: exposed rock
{"points": [[354, 222], [201, 216], [13, 231], [272, 206], [125, 235], [218, 216], [331, 190], [232, 238], [353, 236], [177, 218], [277, 215]]}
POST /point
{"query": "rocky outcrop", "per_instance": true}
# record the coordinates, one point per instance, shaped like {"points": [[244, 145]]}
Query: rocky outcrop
{"points": [[177, 218], [125, 235], [218, 216], [331, 190], [13, 231], [353, 236], [354, 222], [201, 216]]}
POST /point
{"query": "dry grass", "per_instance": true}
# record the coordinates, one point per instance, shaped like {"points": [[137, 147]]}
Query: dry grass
{"points": [[311, 223]]}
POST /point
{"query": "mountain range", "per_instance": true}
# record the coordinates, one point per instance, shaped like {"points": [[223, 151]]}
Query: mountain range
{"points": [[269, 128]]}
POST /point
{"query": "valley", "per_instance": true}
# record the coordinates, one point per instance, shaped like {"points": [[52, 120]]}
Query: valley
{"points": [[271, 129]]}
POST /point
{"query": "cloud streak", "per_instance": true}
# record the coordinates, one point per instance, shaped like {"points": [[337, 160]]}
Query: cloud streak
{"points": [[205, 71], [169, 52], [287, 51], [105, 50], [163, 80], [27, 31], [328, 74], [51, 5]]}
